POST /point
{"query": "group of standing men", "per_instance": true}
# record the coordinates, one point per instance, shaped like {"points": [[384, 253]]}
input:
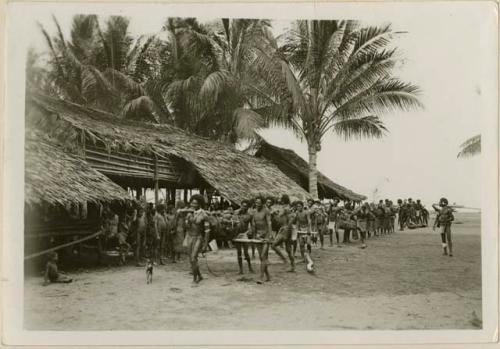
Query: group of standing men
{"points": [[259, 224]]}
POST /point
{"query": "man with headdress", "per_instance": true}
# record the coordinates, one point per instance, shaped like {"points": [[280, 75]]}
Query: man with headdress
{"points": [[443, 221]]}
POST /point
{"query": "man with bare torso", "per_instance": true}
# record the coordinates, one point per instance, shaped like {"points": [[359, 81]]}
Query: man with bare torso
{"points": [[244, 228], [283, 217], [262, 231], [302, 220], [160, 231], [198, 233]]}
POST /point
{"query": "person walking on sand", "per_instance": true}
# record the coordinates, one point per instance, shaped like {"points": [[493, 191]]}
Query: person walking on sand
{"points": [[362, 215], [333, 213], [244, 228], [179, 229], [443, 222], [283, 217], [160, 231], [304, 229], [262, 231], [198, 233]]}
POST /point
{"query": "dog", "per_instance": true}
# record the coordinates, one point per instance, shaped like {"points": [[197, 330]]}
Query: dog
{"points": [[149, 272]]}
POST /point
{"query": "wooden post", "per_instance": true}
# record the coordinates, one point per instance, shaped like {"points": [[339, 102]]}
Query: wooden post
{"points": [[155, 178], [172, 195], [83, 144], [185, 195], [138, 192]]}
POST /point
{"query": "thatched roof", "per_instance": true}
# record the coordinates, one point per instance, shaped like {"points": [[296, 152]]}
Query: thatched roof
{"points": [[297, 168], [236, 175], [55, 177]]}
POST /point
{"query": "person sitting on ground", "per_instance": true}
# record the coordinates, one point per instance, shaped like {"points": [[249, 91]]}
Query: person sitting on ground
{"points": [[52, 274]]}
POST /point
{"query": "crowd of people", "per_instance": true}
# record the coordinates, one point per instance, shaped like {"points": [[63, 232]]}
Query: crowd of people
{"points": [[170, 230]]}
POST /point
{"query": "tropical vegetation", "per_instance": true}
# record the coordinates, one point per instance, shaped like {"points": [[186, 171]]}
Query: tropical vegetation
{"points": [[470, 147], [225, 79]]}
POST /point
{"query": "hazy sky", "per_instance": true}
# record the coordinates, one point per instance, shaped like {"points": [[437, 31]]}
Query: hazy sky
{"points": [[417, 158]]}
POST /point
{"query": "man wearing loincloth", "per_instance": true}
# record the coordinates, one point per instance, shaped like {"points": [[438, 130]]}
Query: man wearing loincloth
{"points": [[160, 232], [401, 214], [321, 221], [303, 221], [283, 218], [244, 228], [443, 222], [179, 228], [333, 213], [198, 233], [363, 215], [262, 231]]}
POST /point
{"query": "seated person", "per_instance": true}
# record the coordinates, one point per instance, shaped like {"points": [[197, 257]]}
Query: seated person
{"points": [[51, 272]]}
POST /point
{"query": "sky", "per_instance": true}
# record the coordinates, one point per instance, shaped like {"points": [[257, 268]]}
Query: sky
{"points": [[417, 158]]}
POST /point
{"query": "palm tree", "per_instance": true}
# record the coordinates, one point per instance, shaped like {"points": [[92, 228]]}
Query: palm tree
{"points": [[470, 147], [212, 85], [331, 76], [101, 68]]}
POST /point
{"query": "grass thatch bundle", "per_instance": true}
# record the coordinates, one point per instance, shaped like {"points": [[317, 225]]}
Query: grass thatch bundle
{"points": [[53, 176]]}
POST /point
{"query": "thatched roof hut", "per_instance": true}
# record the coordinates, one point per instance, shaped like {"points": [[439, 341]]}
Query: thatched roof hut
{"points": [[189, 160], [297, 169], [52, 176]]}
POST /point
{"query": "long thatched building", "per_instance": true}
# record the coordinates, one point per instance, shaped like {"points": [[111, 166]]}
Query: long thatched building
{"points": [[63, 194], [297, 169], [136, 155]]}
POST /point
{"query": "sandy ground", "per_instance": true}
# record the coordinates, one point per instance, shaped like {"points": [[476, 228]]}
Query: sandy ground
{"points": [[400, 281]]}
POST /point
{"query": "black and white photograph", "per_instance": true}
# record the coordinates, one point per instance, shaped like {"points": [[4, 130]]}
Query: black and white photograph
{"points": [[327, 169]]}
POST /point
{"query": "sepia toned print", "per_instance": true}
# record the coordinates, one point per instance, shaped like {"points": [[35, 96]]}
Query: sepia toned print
{"points": [[191, 173]]}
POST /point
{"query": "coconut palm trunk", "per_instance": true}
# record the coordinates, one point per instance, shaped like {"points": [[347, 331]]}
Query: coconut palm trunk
{"points": [[313, 172]]}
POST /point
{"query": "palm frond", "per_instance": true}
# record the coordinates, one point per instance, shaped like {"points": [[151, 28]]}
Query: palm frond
{"points": [[140, 108], [363, 127], [246, 123], [470, 147], [383, 96], [214, 85]]}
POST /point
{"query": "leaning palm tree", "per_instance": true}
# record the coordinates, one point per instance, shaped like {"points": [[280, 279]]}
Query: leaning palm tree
{"points": [[331, 76], [470, 147]]}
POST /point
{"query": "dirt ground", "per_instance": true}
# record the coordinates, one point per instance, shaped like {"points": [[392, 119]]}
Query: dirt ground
{"points": [[400, 281]]}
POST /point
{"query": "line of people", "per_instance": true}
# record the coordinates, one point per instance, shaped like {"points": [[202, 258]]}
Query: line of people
{"points": [[167, 231]]}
